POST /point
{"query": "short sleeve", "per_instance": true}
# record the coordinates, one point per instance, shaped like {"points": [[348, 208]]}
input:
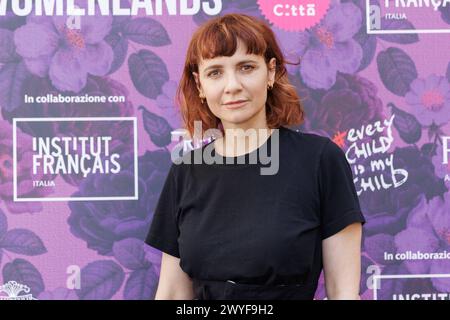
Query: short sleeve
{"points": [[163, 232], [339, 204]]}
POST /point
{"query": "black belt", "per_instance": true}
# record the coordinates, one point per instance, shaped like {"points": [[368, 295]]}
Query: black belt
{"points": [[230, 290]]}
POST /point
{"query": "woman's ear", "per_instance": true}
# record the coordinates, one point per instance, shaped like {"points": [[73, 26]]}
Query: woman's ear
{"points": [[272, 69], [197, 80]]}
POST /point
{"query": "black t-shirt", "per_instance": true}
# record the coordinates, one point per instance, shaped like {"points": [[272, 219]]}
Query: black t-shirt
{"points": [[227, 222]]}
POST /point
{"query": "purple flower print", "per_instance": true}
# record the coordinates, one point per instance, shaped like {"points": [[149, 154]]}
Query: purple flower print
{"points": [[438, 209], [321, 293], [445, 13], [325, 49], [441, 267], [25, 186], [350, 102], [50, 47], [418, 236], [430, 100], [387, 210], [58, 294], [166, 104], [377, 245], [428, 231], [103, 223]]}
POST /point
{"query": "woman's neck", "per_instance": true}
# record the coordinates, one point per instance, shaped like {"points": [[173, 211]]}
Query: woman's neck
{"points": [[237, 141]]}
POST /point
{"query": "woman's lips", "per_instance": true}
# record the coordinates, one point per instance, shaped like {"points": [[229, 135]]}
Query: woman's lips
{"points": [[236, 104]]}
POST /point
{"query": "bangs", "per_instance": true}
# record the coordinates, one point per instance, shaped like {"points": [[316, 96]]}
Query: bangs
{"points": [[221, 39]]}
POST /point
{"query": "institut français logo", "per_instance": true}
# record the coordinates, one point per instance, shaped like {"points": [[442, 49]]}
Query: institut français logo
{"points": [[87, 156], [400, 16], [13, 290]]}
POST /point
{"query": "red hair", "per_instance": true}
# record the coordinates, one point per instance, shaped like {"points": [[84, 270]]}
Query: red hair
{"points": [[219, 37]]}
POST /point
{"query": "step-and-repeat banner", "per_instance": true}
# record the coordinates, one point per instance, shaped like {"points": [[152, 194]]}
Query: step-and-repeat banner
{"points": [[88, 124]]}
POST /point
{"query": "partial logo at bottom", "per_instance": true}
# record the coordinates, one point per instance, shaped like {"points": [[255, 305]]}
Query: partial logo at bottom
{"points": [[11, 291]]}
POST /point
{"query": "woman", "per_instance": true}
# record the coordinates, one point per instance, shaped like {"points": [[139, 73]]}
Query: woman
{"points": [[226, 230]]}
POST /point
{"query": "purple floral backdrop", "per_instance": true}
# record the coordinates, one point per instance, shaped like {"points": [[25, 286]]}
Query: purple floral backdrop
{"points": [[347, 80]]}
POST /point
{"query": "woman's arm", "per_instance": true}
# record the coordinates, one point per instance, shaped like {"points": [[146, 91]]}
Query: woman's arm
{"points": [[342, 263], [174, 283]]}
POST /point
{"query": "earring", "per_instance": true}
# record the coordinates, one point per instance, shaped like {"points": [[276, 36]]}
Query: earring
{"points": [[269, 86], [202, 98]]}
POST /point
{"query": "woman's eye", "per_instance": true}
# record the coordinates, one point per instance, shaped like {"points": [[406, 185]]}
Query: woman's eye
{"points": [[217, 72], [213, 73], [248, 67]]}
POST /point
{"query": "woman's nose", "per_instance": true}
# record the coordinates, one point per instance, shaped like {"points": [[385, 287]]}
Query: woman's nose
{"points": [[233, 83]]}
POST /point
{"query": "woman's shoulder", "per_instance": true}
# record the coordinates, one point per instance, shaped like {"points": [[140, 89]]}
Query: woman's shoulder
{"points": [[307, 140]]}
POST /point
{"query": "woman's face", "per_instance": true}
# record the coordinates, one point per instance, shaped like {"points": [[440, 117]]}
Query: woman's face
{"points": [[241, 77]]}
